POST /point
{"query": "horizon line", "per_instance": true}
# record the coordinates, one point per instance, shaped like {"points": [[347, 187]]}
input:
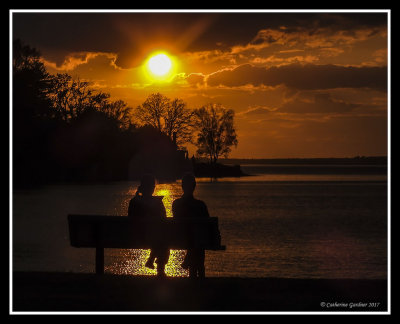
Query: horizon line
{"points": [[306, 158]]}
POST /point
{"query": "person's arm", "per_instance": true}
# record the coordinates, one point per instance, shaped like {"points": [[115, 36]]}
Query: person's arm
{"points": [[178, 208], [163, 211], [161, 207], [174, 208], [135, 208], [130, 208], [205, 210]]}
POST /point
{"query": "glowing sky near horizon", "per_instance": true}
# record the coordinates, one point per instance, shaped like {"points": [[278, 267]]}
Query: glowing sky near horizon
{"points": [[301, 84]]}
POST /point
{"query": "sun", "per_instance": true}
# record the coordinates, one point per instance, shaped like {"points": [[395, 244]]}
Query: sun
{"points": [[159, 65]]}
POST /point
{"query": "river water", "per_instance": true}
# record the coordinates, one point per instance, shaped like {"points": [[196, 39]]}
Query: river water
{"points": [[284, 221]]}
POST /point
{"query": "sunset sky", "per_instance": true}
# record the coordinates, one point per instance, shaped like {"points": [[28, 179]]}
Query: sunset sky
{"points": [[301, 84]]}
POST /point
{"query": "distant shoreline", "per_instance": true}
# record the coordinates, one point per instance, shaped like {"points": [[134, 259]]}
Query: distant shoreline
{"points": [[232, 168], [370, 160]]}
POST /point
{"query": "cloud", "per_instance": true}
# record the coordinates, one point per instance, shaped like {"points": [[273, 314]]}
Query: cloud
{"points": [[97, 68], [196, 79], [130, 35], [380, 56], [302, 77], [256, 111], [318, 41], [73, 60], [273, 60], [321, 103], [310, 37]]}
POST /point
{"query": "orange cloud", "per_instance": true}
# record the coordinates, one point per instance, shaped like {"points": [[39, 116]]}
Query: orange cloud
{"points": [[196, 79], [302, 77], [257, 111], [278, 46], [318, 37], [277, 61], [73, 60], [321, 103]]}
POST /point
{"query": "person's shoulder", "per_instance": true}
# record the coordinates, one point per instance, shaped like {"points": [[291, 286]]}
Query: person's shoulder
{"points": [[157, 198], [134, 200], [155, 201], [177, 202], [138, 199], [199, 202]]}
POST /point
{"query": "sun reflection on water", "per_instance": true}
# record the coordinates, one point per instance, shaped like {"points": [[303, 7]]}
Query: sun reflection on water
{"points": [[167, 198], [132, 261]]}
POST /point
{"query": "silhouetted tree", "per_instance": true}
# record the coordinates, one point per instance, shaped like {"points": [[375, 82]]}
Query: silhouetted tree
{"points": [[31, 84], [65, 130], [168, 116], [26, 58], [120, 112], [31, 114], [216, 132], [178, 121], [152, 111], [71, 98]]}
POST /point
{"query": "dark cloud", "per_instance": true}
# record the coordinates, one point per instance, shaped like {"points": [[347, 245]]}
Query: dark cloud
{"points": [[322, 103], [303, 77], [59, 34], [130, 36]]}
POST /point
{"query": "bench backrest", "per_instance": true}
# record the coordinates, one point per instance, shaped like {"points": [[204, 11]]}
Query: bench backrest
{"points": [[122, 232]]}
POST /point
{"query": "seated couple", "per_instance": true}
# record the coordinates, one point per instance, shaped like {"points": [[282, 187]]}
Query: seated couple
{"points": [[144, 204]]}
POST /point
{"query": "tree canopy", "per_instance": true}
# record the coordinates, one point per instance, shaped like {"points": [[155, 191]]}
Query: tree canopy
{"points": [[171, 117], [64, 129], [216, 131]]}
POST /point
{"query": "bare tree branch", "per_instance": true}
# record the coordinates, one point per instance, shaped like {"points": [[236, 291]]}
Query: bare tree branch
{"points": [[216, 132]]}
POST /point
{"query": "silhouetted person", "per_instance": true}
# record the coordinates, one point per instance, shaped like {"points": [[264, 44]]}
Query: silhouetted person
{"points": [[188, 206], [146, 206]]}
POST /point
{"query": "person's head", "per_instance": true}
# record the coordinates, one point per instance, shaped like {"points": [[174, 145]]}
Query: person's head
{"points": [[188, 183], [147, 185]]}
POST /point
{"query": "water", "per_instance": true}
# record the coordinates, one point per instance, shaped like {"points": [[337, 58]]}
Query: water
{"points": [[293, 223]]}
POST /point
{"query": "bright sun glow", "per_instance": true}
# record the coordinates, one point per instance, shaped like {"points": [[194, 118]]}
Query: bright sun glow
{"points": [[160, 64]]}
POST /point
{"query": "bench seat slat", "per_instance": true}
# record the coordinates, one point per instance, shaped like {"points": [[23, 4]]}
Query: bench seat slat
{"points": [[94, 231]]}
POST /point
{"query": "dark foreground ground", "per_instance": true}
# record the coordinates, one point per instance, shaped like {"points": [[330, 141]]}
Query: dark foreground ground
{"points": [[36, 291]]}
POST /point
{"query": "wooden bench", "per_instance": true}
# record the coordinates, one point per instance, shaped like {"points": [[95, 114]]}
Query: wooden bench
{"points": [[120, 232]]}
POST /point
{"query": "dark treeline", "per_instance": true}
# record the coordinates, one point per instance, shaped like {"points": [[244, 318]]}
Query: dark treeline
{"points": [[63, 130]]}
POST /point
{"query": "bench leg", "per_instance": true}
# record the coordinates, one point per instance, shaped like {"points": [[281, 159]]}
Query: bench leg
{"points": [[99, 260]]}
